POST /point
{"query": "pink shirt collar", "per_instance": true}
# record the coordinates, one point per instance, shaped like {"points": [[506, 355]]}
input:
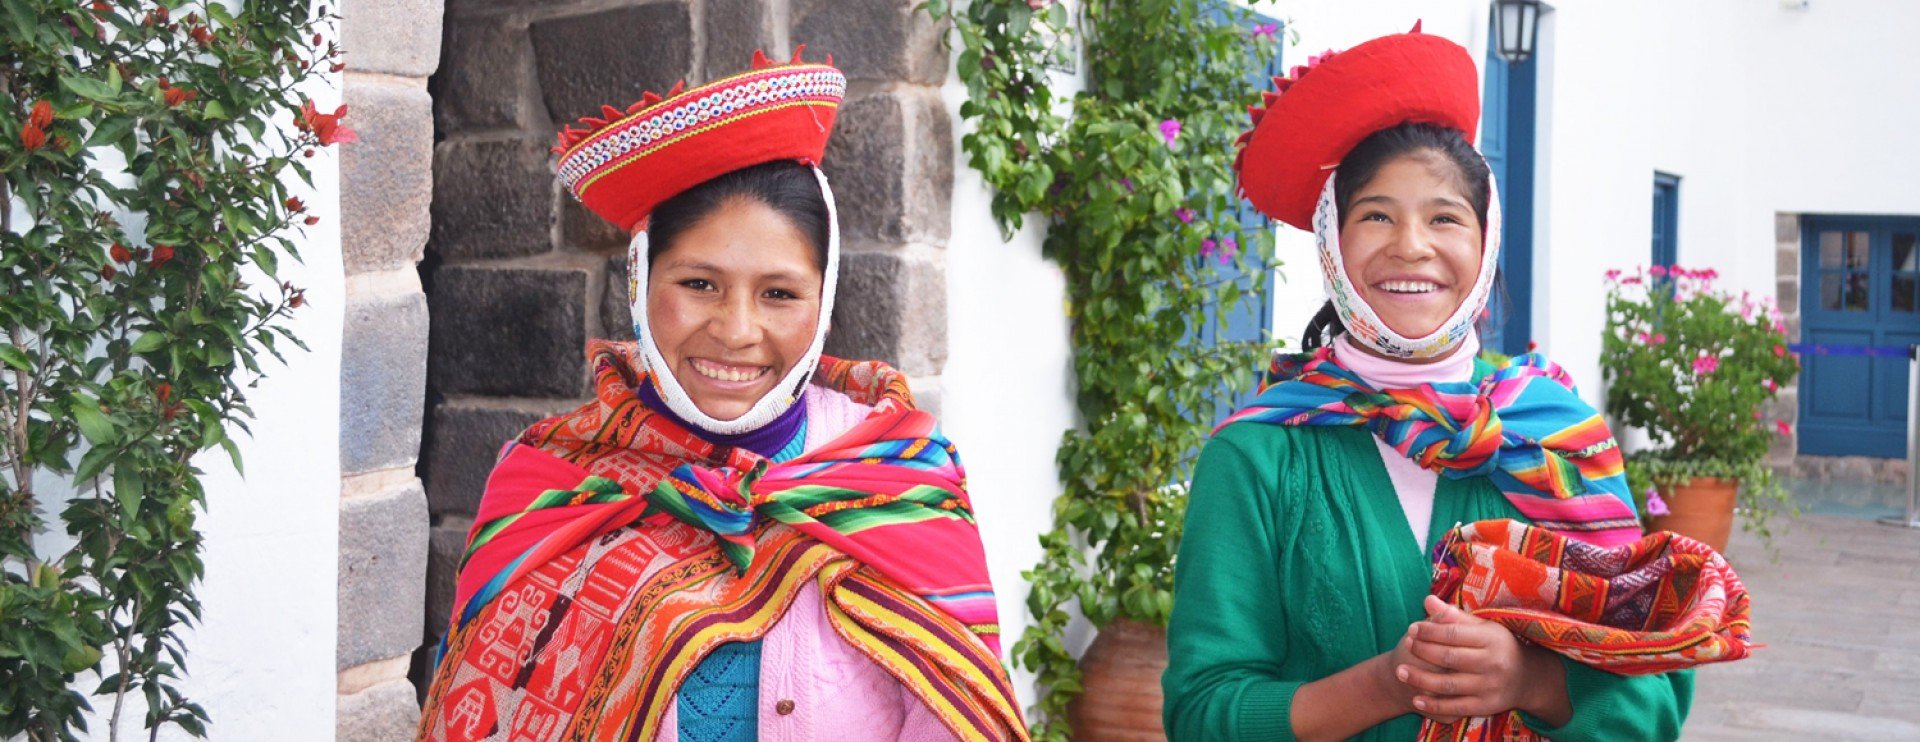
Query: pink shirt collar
{"points": [[1390, 373]]}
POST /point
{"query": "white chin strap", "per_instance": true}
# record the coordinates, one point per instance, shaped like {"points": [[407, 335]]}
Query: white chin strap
{"points": [[1364, 326], [783, 394]]}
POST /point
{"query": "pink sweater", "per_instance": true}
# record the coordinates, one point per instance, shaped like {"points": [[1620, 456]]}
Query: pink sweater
{"points": [[829, 690], [1412, 482]]}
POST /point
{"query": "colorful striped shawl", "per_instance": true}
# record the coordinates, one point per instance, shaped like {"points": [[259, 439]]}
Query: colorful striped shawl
{"points": [[890, 493], [1522, 425], [580, 613], [1662, 603]]}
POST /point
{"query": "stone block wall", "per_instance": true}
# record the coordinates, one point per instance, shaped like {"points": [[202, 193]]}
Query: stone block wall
{"points": [[518, 276], [386, 191]]}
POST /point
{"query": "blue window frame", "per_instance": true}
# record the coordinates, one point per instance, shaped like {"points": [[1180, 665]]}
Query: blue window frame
{"points": [[1666, 219]]}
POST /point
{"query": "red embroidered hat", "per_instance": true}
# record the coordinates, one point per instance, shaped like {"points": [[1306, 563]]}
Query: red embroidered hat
{"points": [[1311, 121], [625, 163]]}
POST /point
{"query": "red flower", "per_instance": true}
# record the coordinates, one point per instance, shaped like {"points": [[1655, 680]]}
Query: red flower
{"points": [[326, 126], [32, 137], [163, 390], [337, 66], [312, 220], [161, 254], [299, 298], [108, 272], [1783, 427], [119, 253], [295, 205], [42, 115], [201, 36], [177, 96], [1779, 351]]}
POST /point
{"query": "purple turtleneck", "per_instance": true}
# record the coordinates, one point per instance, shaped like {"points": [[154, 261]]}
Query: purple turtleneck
{"points": [[767, 440]]}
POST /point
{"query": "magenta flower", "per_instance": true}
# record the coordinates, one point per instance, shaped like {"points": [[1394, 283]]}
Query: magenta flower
{"points": [[1228, 246], [1207, 246], [1781, 427], [1630, 281], [1657, 271], [1127, 183], [1613, 275], [1185, 215], [1659, 338], [1771, 385], [1705, 365], [1655, 505], [1170, 130], [1780, 351], [1268, 30]]}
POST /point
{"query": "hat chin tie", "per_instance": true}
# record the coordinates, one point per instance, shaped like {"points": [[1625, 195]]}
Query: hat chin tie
{"points": [[784, 394], [1363, 324]]}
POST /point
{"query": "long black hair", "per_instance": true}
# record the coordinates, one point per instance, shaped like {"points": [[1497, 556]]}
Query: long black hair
{"points": [[786, 186], [1360, 166]]}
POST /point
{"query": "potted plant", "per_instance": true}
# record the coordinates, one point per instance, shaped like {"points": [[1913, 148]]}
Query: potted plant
{"points": [[1694, 367]]}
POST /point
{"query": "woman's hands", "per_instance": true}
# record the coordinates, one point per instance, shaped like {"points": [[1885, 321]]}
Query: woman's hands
{"points": [[1469, 666]]}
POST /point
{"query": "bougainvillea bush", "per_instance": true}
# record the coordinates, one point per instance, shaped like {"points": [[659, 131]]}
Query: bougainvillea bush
{"points": [[1694, 366], [147, 149], [1143, 232]]}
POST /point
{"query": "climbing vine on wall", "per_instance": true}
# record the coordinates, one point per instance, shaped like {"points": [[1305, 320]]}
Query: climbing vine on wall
{"points": [[144, 215], [1133, 177]]}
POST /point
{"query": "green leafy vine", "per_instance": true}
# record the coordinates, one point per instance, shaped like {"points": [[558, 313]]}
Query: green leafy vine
{"points": [[1136, 186], [143, 219]]}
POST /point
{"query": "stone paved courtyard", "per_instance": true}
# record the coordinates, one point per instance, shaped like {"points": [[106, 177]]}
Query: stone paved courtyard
{"points": [[1839, 613]]}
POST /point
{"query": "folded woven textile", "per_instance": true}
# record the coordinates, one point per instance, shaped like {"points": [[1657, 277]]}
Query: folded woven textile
{"points": [[1663, 603]]}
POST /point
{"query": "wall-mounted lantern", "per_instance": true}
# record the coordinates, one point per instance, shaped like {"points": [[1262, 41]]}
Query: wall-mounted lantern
{"points": [[1516, 27]]}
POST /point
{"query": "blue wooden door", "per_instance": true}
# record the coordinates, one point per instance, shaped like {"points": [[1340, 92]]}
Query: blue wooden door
{"points": [[1507, 139], [1860, 289]]}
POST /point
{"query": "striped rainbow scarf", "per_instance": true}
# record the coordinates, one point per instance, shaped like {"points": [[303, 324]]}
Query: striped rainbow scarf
{"points": [[1522, 426], [890, 492]]}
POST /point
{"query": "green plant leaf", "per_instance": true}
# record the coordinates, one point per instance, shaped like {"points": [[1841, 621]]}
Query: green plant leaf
{"points": [[15, 358], [97, 428]]}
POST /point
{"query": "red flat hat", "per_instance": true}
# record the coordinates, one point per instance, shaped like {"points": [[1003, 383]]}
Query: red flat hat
{"points": [[625, 163], [1319, 113]]}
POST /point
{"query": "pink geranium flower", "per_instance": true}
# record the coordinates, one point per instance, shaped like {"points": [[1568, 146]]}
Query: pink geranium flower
{"points": [[1655, 505], [1657, 271], [1705, 365], [1782, 427]]}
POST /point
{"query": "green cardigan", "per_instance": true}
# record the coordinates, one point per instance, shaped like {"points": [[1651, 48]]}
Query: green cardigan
{"points": [[1298, 563]]}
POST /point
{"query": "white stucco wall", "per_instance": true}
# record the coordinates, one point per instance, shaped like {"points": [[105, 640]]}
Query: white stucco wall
{"points": [[261, 662], [1759, 107], [1009, 380]]}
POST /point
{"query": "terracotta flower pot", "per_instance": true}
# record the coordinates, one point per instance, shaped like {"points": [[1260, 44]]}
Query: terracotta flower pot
{"points": [[1700, 508], [1122, 680]]}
